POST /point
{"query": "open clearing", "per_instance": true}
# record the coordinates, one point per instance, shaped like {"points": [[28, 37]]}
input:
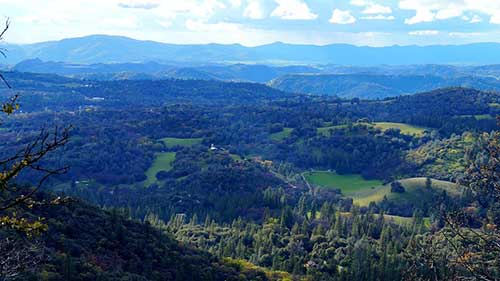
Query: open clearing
{"points": [[414, 187], [279, 136], [325, 131], [163, 162], [365, 191], [171, 142], [477, 117], [349, 185], [406, 129]]}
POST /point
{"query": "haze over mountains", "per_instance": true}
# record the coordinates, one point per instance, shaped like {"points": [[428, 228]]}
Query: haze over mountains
{"points": [[371, 86], [116, 49], [340, 70], [154, 70], [336, 80]]}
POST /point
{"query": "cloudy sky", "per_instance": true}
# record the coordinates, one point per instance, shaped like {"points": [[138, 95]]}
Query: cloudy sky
{"points": [[257, 22]]}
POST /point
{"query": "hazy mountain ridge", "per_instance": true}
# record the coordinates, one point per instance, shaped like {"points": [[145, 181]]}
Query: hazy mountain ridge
{"points": [[377, 86], [343, 81], [103, 48], [154, 70]]}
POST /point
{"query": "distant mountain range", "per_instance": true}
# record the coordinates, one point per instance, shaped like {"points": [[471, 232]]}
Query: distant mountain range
{"points": [[154, 71], [116, 49], [342, 81], [119, 58]]}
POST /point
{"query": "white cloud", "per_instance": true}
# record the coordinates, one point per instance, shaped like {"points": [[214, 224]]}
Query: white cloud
{"points": [[424, 32], [254, 10], [476, 19], [139, 4], [201, 26], [377, 9], [421, 16], [207, 8], [448, 13], [126, 22], [378, 17], [227, 21], [235, 3], [495, 19], [431, 10], [164, 23], [371, 7], [198, 9], [293, 10], [342, 17], [465, 34]]}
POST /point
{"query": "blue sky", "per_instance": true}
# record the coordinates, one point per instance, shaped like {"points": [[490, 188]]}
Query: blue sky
{"points": [[257, 22]]}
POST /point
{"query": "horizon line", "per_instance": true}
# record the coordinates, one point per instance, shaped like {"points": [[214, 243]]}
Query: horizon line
{"points": [[5, 42]]}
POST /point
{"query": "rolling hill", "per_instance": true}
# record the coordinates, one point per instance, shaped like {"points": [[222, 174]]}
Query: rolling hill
{"points": [[155, 70], [369, 86], [87, 243], [49, 90]]}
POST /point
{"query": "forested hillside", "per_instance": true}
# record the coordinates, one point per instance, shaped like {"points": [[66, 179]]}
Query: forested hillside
{"points": [[371, 86], [154, 70], [250, 140], [208, 180], [83, 242]]}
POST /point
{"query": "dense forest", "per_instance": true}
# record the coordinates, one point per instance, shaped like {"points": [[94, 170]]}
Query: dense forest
{"points": [[208, 180], [373, 86]]}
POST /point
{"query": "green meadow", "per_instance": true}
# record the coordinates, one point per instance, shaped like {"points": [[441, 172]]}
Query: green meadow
{"points": [[364, 191], [325, 131], [477, 117], [163, 162], [279, 136], [406, 129], [171, 142], [349, 185], [414, 190]]}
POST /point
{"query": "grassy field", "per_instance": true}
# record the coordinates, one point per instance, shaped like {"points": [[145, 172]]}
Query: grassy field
{"points": [[365, 191], [350, 185], [279, 136], [325, 131], [236, 157], [246, 266], [413, 186], [477, 117], [171, 142], [162, 162], [404, 128], [404, 220]]}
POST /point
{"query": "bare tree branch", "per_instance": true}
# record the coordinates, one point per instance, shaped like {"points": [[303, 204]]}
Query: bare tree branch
{"points": [[46, 142], [18, 255]]}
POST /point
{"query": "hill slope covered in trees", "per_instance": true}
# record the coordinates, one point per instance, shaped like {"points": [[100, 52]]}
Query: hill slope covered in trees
{"points": [[369, 86]]}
